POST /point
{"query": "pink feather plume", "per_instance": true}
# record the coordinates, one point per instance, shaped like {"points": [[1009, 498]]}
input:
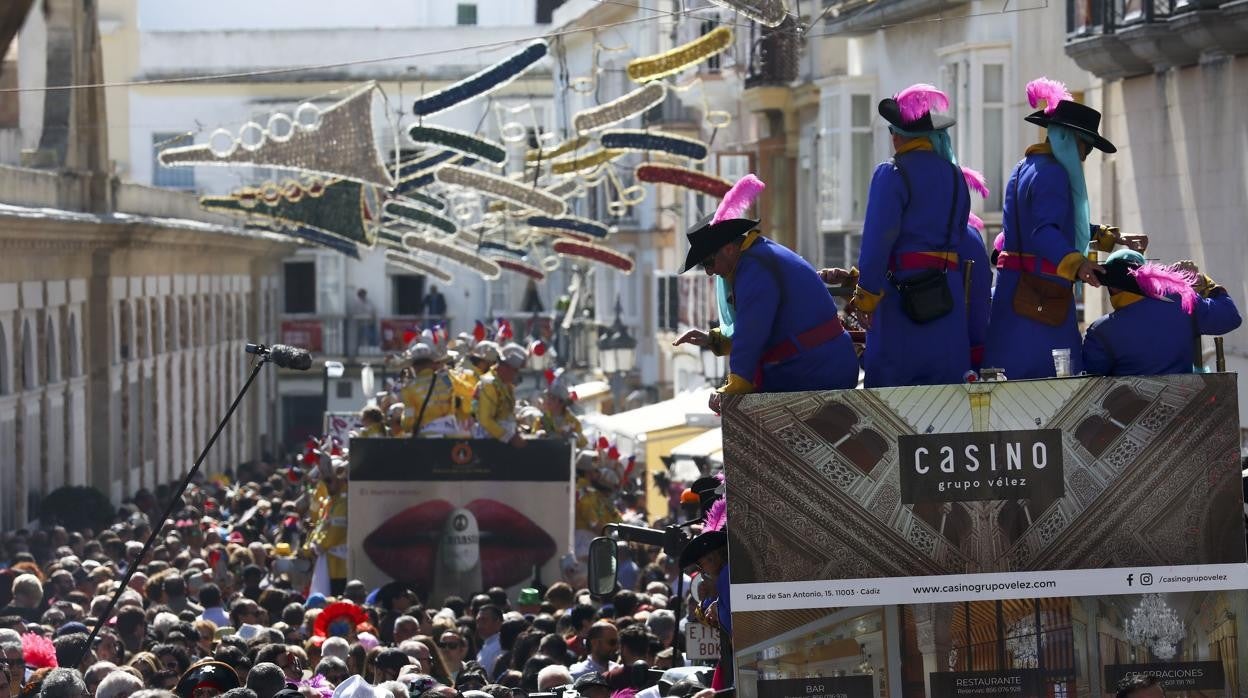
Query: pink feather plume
{"points": [[1157, 281], [920, 99], [624, 693], [1048, 91], [739, 198], [38, 651], [975, 221], [998, 243], [976, 181], [717, 516]]}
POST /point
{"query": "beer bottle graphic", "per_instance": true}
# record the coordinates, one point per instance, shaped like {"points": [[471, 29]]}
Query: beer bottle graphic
{"points": [[457, 564]]}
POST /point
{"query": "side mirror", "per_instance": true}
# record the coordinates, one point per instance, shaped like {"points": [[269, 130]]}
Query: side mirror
{"points": [[603, 570]]}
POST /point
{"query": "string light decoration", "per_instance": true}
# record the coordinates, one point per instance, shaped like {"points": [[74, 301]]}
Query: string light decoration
{"points": [[769, 13], [482, 82], [581, 163], [418, 216], [335, 142], [677, 59], [582, 226], [522, 267], [428, 200], [310, 236], [408, 186], [459, 141], [487, 268], [503, 248], [563, 148], [683, 177], [502, 188], [594, 253], [653, 141], [342, 207], [409, 263], [620, 108], [415, 167], [564, 189], [558, 233]]}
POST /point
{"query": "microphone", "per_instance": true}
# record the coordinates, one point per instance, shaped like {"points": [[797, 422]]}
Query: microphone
{"points": [[283, 355]]}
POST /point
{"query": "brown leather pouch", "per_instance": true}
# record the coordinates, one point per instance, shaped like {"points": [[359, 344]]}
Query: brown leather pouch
{"points": [[1047, 302]]}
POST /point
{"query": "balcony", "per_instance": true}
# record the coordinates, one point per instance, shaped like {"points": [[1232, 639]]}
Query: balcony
{"points": [[859, 17], [1117, 39], [337, 336], [773, 55]]}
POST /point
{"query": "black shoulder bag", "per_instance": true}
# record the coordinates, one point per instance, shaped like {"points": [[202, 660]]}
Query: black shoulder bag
{"points": [[926, 296]]}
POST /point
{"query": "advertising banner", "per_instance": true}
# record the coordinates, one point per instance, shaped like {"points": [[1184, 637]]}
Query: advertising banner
{"points": [[341, 424], [447, 515], [1027, 538]]}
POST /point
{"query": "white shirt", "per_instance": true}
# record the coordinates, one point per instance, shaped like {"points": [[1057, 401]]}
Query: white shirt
{"points": [[488, 656], [216, 614], [590, 666]]}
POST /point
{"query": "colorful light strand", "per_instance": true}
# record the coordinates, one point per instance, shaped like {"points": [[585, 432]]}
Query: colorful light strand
{"points": [[487, 268], [482, 82], [407, 262], [502, 188], [565, 147], [594, 253], [581, 163], [584, 226], [651, 141], [620, 108], [417, 216], [677, 59], [683, 177], [459, 141], [522, 267]]}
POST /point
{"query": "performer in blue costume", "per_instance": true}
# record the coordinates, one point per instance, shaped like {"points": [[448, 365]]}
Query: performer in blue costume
{"points": [[1047, 237], [979, 290], [1157, 312], [779, 325], [916, 220]]}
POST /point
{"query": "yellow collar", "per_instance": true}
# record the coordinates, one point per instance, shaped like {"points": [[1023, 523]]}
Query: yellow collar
{"points": [[1040, 149], [750, 238], [916, 144], [1122, 299]]}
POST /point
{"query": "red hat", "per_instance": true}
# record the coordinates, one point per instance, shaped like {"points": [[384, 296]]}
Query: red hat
{"points": [[328, 621]]}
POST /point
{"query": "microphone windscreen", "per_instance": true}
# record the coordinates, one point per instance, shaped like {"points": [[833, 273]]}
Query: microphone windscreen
{"points": [[290, 357]]}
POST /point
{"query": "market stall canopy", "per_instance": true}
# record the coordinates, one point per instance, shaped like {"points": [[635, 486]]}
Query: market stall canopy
{"points": [[708, 445]]}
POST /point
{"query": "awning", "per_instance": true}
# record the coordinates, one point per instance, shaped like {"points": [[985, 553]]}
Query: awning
{"points": [[591, 390], [630, 428], [708, 445]]}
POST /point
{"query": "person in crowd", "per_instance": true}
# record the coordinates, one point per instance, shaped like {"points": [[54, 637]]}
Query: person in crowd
{"points": [[454, 649], [909, 277], [428, 397], [328, 540], [778, 325], [603, 642], [373, 423], [489, 624], [557, 420], [435, 304], [27, 599], [1158, 311], [494, 405], [480, 358], [364, 318], [1047, 236]]}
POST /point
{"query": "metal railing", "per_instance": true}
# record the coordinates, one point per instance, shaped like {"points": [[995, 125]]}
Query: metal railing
{"points": [[1092, 17]]}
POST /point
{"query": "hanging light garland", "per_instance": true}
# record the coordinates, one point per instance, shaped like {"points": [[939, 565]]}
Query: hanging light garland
{"points": [[487, 268], [342, 207], [583, 226], [308, 235], [620, 108], [414, 167], [652, 141], [503, 248], [563, 148], [502, 188], [408, 186], [564, 189], [677, 59], [594, 253], [559, 234], [522, 267], [459, 141], [407, 262], [482, 82], [423, 199], [683, 177], [581, 163], [415, 215], [769, 13]]}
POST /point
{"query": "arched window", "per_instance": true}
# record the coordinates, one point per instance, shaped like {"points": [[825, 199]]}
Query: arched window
{"points": [[1012, 521], [30, 375], [833, 421], [1096, 434], [51, 360], [865, 449], [1124, 405]]}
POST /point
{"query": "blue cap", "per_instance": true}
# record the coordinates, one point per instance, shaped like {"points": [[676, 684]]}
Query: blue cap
{"points": [[70, 628], [315, 601]]}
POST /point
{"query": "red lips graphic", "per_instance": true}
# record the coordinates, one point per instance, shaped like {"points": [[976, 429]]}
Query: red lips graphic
{"points": [[511, 544]]}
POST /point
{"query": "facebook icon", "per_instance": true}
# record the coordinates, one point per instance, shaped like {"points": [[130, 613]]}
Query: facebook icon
{"points": [[1130, 578]]}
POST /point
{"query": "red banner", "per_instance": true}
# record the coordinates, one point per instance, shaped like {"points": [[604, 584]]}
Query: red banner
{"points": [[307, 334]]}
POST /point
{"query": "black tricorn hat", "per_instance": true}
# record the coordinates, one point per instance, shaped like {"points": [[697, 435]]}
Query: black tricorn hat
{"points": [[1077, 117], [207, 674], [705, 237], [891, 111], [702, 544]]}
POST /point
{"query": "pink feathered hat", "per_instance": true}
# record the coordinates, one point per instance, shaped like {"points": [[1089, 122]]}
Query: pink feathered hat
{"points": [[912, 109]]}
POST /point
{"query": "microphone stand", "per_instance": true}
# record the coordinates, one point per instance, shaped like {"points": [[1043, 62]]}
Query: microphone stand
{"points": [[174, 501]]}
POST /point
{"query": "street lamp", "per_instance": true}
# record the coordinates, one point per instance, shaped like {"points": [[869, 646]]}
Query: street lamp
{"points": [[617, 351]]}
